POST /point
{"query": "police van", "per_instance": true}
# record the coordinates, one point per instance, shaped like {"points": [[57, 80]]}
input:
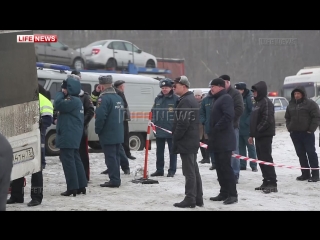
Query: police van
{"points": [[140, 92]]}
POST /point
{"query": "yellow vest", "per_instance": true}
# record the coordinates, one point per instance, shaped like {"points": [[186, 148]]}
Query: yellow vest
{"points": [[46, 107]]}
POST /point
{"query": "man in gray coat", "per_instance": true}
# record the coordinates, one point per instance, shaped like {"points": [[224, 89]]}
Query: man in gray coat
{"points": [[185, 141], [238, 110], [6, 163]]}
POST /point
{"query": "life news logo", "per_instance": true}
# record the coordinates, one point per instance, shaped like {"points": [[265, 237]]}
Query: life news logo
{"points": [[37, 38]]}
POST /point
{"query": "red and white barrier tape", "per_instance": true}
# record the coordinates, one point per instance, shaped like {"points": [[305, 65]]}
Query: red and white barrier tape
{"points": [[239, 156]]}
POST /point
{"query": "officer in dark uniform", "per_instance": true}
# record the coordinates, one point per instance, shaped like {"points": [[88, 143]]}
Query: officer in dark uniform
{"points": [[119, 87], [124, 163], [88, 115]]}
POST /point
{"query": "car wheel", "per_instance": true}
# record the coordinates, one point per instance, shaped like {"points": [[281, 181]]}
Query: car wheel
{"points": [[151, 64], [95, 145], [51, 149], [137, 141], [78, 64], [111, 64]]}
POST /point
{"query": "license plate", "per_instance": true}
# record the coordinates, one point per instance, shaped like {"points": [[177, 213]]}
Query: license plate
{"points": [[23, 155]]}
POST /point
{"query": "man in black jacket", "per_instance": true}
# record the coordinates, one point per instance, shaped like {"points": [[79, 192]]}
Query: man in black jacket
{"points": [[222, 141], [238, 110], [263, 128], [88, 115], [185, 140], [302, 120], [119, 87]]}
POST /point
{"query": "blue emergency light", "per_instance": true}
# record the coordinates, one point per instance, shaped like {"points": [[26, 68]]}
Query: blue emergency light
{"points": [[52, 66]]}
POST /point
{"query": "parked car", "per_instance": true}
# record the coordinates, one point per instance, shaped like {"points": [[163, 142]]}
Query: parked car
{"points": [[205, 91], [280, 106], [116, 54], [59, 53]]}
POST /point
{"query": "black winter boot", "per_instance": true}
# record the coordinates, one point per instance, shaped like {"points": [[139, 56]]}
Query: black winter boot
{"points": [[315, 176], [271, 187], [262, 187]]}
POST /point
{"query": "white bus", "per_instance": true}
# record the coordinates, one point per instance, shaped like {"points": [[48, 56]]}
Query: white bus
{"points": [[19, 102], [309, 77]]}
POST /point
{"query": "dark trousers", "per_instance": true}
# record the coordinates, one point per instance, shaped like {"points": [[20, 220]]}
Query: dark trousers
{"points": [[225, 174], [125, 143], [304, 144], [46, 122], [204, 151], [112, 160], [84, 155], [124, 162], [73, 168], [193, 185], [17, 188], [243, 146], [161, 143], [264, 153]]}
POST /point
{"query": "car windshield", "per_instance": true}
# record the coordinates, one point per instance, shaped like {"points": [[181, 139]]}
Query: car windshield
{"points": [[97, 43], [309, 87]]}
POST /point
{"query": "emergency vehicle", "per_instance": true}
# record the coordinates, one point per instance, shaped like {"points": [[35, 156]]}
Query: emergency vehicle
{"points": [[140, 92], [308, 77]]}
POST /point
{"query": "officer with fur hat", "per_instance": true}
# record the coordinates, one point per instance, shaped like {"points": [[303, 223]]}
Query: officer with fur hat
{"points": [[109, 127], [244, 127], [162, 116]]}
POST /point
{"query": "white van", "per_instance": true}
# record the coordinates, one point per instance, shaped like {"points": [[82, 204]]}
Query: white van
{"points": [[309, 77], [140, 93]]}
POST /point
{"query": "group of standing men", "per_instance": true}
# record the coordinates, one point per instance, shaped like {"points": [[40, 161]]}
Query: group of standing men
{"points": [[229, 117]]}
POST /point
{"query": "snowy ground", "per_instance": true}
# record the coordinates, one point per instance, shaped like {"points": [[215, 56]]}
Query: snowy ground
{"points": [[292, 194]]}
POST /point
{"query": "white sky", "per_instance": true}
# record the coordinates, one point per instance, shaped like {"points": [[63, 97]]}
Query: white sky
{"points": [[291, 195]]}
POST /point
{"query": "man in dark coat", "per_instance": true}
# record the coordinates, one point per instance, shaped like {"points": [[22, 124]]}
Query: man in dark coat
{"points": [[6, 163], [88, 115], [238, 110], [263, 128], [222, 141], [109, 127], [69, 134], [302, 120], [119, 87], [185, 133]]}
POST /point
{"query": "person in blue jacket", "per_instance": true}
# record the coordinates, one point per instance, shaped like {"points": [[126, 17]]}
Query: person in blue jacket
{"points": [[109, 127], [162, 116], [69, 132], [205, 112], [244, 128]]}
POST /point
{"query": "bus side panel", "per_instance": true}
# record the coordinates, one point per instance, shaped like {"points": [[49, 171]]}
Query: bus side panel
{"points": [[19, 102], [19, 123]]}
